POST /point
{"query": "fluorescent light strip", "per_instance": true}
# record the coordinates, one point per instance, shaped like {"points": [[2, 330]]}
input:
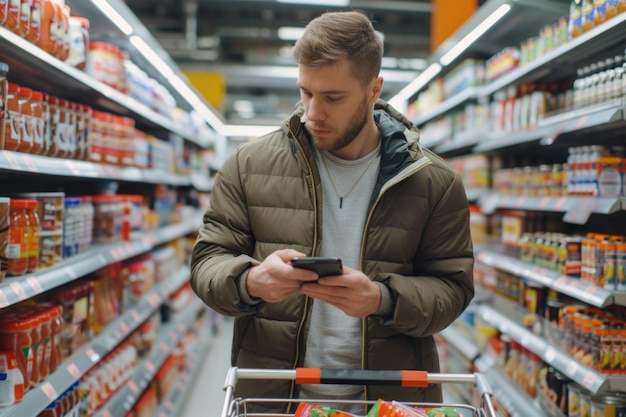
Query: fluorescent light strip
{"points": [[317, 2], [421, 80], [198, 105], [153, 58], [247, 131], [114, 16], [476, 33]]}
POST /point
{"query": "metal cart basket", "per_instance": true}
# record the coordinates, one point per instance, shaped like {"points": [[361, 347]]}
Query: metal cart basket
{"points": [[236, 407]]}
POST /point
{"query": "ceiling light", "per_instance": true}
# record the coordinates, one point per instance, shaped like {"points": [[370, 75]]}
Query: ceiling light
{"points": [[476, 33], [247, 131], [287, 33], [151, 56], [317, 2], [198, 105], [114, 16], [419, 82]]}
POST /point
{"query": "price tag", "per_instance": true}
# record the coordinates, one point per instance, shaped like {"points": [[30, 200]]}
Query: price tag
{"points": [[4, 302], [162, 414], [92, 355], [106, 413], [173, 337], [589, 379], [34, 284], [135, 314], [169, 405], [579, 213], [30, 164], [73, 370], [550, 355], [132, 385], [19, 291], [13, 161], [150, 366], [572, 368], [164, 347], [49, 391], [154, 299], [124, 327], [180, 327], [543, 203], [560, 203], [180, 385], [519, 203], [581, 122]]}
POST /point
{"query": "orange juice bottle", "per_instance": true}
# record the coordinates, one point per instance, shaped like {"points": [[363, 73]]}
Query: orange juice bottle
{"points": [[574, 27], [587, 15]]}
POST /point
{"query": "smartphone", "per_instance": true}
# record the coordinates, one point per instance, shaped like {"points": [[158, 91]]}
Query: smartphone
{"points": [[323, 266]]}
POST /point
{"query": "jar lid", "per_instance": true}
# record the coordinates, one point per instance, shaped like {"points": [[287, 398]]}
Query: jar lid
{"points": [[5, 200], [22, 204], [4, 67]]}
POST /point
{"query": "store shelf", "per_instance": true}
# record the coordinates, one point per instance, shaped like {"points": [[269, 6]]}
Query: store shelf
{"points": [[567, 57], [32, 66], [460, 143], [16, 289], [460, 343], [447, 105], [44, 165], [72, 369], [571, 286], [501, 315], [580, 49], [172, 405], [577, 209], [506, 392], [475, 194], [552, 128], [169, 336]]}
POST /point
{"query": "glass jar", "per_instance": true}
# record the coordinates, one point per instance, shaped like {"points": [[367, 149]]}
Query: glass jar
{"points": [[12, 123], [15, 336], [38, 123], [33, 222], [19, 238], [26, 134]]}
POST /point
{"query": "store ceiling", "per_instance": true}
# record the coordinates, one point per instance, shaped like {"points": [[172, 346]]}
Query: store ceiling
{"points": [[240, 40]]}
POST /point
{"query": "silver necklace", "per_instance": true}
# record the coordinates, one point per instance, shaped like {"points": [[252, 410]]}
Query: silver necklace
{"points": [[332, 182]]}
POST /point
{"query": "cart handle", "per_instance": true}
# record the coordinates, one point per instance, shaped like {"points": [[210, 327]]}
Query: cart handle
{"points": [[403, 378]]}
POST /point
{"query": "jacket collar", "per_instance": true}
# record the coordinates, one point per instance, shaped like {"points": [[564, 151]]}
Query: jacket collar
{"points": [[399, 136]]}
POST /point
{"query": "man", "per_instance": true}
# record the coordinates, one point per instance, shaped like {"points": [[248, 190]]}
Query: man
{"points": [[346, 177]]}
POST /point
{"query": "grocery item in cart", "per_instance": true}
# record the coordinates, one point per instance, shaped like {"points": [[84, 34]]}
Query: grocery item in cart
{"points": [[312, 410]]}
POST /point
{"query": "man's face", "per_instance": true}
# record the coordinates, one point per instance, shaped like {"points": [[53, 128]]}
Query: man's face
{"points": [[335, 103]]}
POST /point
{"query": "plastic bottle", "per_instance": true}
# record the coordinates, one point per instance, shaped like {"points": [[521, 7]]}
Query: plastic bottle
{"points": [[39, 123], [587, 15], [12, 20], [78, 42], [574, 27], [47, 27]]}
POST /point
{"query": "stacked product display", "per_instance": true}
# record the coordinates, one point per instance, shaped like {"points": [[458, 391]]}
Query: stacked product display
{"points": [[537, 131], [105, 177]]}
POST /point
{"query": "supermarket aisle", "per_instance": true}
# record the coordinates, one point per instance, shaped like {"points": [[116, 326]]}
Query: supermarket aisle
{"points": [[206, 396]]}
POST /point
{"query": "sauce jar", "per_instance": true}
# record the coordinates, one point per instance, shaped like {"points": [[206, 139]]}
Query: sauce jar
{"points": [[4, 234], [34, 28], [47, 26], [33, 221], [4, 7], [24, 23], [15, 337], [19, 237], [53, 126], [4, 69], [13, 119], [38, 123], [79, 42], [12, 20], [27, 136]]}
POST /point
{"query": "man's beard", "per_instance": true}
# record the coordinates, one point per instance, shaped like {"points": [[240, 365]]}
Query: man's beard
{"points": [[358, 121]]}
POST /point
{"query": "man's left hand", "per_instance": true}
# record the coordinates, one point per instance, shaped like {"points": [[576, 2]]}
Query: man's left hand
{"points": [[353, 292]]}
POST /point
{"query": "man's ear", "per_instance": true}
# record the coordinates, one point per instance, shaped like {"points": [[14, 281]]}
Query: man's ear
{"points": [[376, 89]]}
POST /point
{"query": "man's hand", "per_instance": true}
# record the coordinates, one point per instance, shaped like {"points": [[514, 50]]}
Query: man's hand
{"points": [[275, 279], [353, 292]]}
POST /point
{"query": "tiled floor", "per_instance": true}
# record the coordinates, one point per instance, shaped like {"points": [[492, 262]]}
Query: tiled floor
{"points": [[206, 396]]}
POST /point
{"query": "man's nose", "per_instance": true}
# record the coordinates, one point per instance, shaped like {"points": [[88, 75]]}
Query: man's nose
{"points": [[315, 110]]}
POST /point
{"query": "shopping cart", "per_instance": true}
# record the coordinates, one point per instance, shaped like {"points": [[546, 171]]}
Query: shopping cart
{"points": [[236, 406]]}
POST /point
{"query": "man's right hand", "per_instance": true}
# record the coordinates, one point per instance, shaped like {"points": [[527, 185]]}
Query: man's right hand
{"points": [[275, 279]]}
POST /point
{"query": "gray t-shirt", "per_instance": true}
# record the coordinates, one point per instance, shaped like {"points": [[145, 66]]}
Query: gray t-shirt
{"points": [[335, 339]]}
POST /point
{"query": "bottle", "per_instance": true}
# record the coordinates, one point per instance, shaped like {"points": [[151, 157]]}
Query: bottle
{"points": [[34, 28], [19, 237], [587, 15], [26, 134], [574, 27], [47, 26], [13, 119]]}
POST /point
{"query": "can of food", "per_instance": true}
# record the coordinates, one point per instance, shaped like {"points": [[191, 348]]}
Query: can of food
{"points": [[610, 404]]}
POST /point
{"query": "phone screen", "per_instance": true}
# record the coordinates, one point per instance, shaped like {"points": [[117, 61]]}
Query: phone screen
{"points": [[323, 266]]}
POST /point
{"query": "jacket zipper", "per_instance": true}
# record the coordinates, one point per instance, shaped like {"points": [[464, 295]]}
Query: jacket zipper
{"points": [[314, 250], [415, 167]]}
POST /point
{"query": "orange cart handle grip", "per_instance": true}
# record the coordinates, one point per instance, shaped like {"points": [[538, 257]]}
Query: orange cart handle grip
{"points": [[362, 377]]}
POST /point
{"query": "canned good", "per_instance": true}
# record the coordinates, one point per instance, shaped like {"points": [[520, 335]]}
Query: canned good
{"points": [[608, 405]]}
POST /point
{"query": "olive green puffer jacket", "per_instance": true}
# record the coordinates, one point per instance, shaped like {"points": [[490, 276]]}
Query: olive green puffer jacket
{"points": [[267, 196]]}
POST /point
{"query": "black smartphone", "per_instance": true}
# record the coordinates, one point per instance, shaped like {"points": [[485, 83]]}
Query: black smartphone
{"points": [[322, 265]]}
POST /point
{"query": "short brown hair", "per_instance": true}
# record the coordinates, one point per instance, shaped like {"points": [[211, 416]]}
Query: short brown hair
{"points": [[337, 35]]}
